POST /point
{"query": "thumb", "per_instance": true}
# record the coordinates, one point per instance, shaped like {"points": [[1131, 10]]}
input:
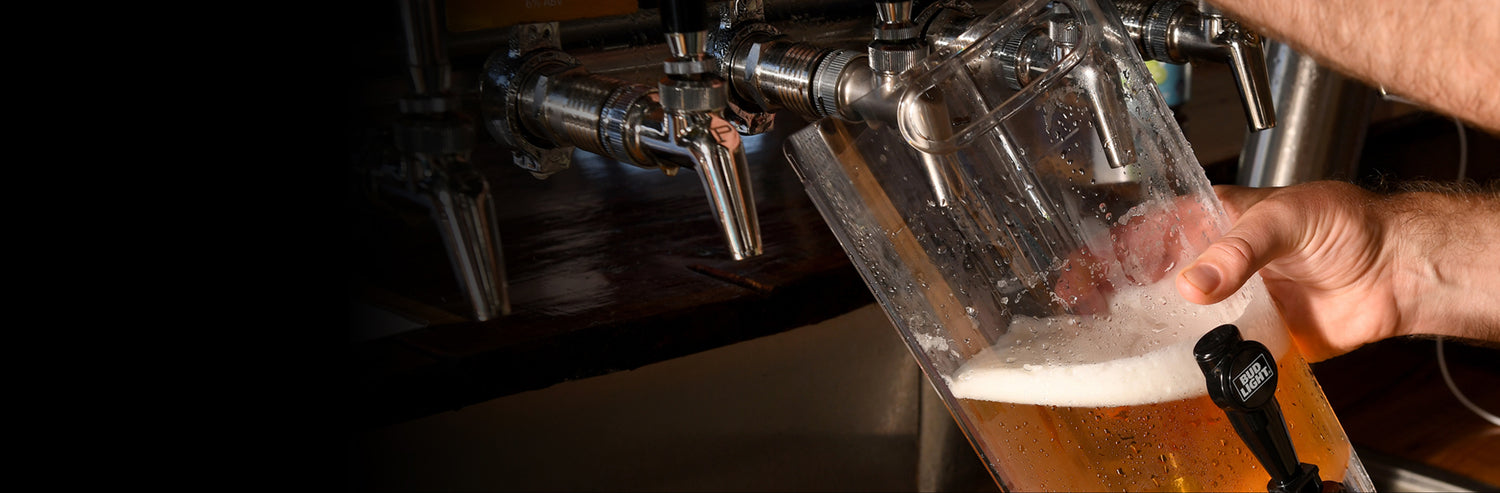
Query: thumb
{"points": [[1237, 199], [1263, 232]]}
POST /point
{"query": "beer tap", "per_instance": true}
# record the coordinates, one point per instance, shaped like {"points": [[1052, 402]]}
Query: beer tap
{"points": [[694, 98], [897, 47], [730, 80], [436, 138], [1178, 31], [543, 103], [1166, 30], [1026, 54]]}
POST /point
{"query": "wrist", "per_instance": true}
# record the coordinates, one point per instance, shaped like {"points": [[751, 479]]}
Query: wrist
{"points": [[1443, 251]]}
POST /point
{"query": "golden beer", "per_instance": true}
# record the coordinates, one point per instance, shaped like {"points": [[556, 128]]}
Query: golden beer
{"points": [[1139, 422]]}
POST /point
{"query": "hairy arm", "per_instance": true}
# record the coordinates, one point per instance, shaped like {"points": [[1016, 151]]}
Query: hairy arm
{"points": [[1447, 273], [1440, 54]]}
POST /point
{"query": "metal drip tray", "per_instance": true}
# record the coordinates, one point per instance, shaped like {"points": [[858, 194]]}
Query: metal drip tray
{"points": [[1394, 474]]}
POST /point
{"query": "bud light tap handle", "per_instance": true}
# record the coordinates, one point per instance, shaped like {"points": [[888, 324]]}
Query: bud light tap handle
{"points": [[1241, 377]]}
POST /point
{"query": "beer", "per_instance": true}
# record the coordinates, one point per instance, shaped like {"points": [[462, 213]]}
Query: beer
{"points": [[1117, 403]]}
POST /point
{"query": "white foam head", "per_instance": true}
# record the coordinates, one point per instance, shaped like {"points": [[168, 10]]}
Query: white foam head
{"points": [[1140, 353]]}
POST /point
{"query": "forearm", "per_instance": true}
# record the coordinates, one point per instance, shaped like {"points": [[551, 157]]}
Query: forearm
{"points": [[1446, 249], [1437, 54]]}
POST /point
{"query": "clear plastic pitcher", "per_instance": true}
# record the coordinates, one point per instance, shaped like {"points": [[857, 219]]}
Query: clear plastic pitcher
{"points": [[1022, 230]]}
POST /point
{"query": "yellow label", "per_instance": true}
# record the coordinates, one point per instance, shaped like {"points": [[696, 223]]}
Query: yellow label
{"points": [[1158, 72]]}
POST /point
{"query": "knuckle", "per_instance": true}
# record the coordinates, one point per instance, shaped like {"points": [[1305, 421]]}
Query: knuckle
{"points": [[1237, 251]]}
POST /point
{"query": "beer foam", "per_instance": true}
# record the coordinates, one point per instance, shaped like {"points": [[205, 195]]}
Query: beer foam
{"points": [[1139, 353]]}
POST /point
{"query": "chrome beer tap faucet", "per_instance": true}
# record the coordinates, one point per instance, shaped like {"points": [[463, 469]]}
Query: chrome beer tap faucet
{"points": [[1178, 31], [1027, 54], [694, 98], [436, 138], [897, 47], [543, 103]]}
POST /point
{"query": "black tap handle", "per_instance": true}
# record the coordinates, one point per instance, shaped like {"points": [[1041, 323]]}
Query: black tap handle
{"points": [[684, 16], [1241, 378]]}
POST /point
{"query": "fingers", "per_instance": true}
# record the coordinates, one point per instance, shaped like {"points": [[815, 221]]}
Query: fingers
{"points": [[1082, 287], [1260, 234]]}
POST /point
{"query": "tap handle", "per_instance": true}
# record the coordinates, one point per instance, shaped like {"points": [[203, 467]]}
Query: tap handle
{"points": [[684, 16], [687, 37]]}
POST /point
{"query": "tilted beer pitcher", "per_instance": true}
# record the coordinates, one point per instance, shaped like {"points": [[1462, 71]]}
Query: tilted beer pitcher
{"points": [[1019, 206]]}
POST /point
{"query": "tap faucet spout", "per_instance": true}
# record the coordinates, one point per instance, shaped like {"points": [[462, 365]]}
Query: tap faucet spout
{"points": [[719, 158], [694, 98], [1247, 59]]}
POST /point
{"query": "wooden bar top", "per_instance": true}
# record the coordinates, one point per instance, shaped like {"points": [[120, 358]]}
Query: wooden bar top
{"points": [[610, 267]]}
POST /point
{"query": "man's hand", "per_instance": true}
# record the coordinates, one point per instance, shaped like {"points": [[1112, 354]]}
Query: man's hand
{"points": [[1348, 267]]}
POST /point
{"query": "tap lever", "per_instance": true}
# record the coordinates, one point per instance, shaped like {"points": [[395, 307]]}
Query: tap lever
{"points": [[1241, 379], [684, 16]]}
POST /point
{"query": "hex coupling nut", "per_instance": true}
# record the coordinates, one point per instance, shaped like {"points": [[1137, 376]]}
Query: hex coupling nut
{"points": [[1024, 55], [617, 121], [693, 95]]}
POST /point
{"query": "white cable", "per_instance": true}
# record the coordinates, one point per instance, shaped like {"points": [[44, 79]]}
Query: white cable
{"points": [[1443, 365]]}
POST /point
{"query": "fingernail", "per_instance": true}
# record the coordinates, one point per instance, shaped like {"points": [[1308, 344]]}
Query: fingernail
{"points": [[1203, 277]]}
